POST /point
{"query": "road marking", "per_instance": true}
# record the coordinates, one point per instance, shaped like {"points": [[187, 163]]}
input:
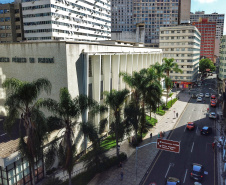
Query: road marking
{"points": [[192, 147], [2, 134], [196, 130], [168, 170], [185, 128], [189, 117], [185, 175]]}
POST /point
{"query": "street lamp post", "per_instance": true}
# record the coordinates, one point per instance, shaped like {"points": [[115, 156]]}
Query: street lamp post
{"points": [[136, 155]]}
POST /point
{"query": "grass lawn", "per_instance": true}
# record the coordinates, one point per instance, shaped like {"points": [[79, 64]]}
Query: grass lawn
{"points": [[108, 143]]}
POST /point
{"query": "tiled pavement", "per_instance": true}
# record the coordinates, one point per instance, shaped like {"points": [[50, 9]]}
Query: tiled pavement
{"points": [[146, 154]]}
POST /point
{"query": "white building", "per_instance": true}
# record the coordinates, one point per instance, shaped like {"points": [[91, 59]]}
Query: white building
{"points": [[73, 20], [183, 44], [222, 67], [84, 68]]}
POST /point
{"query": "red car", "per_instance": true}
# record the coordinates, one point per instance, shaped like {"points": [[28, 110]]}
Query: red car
{"points": [[190, 126], [213, 97], [213, 103]]}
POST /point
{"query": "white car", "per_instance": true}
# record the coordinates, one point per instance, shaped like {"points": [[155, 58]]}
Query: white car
{"points": [[207, 95], [199, 99], [212, 115], [201, 94]]}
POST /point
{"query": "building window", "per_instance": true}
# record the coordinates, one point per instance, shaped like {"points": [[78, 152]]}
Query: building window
{"points": [[101, 65], [101, 90], [90, 93], [90, 67]]}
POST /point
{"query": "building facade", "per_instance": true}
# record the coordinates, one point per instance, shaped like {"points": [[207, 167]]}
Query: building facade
{"points": [[154, 14], [183, 44], [11, 23], [84, 68], [208, 32], [214, 17], [222, 66], [67, 20]]}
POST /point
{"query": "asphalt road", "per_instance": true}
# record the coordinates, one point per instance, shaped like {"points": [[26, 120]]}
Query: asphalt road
{"points": [[194, 148]]}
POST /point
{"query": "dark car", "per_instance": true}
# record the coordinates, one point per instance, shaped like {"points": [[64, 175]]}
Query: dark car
{"points": [[206, 130], [172, 181], [197, 172]]}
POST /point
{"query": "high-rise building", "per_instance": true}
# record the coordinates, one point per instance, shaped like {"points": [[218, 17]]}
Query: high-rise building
{"points": [[73, 20], [214, 17], [183, 44], [222, 67], [126, 14], [11, 24], [208, 32]]}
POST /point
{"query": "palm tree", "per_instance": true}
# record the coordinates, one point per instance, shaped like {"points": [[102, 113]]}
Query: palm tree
{"points": [[159, 70], [68, 111], [132, 117], [144, 83], [21, 102], [168, 84], [96, 156], [115, 100], [170, 65], [154, 90]]}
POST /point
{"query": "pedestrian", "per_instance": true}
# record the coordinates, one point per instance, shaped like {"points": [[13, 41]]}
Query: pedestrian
{"points": [[150, 135], [121, 175], [213, 145], [177, 114], [219, 146], [120, 164], [161, 134]]}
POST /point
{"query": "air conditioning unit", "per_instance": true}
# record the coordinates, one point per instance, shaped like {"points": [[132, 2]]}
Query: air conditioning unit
{"points": [[56, 10], [69, 14]]}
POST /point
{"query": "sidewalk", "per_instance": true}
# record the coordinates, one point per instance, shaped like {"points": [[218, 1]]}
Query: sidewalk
{"points": [[146, 154]]}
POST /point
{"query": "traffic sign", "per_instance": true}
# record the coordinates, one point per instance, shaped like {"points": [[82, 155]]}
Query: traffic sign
{"points": [[168, 145]]}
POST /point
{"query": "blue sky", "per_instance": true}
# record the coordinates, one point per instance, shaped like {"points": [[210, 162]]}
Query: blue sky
{"points": [[210, 6]]}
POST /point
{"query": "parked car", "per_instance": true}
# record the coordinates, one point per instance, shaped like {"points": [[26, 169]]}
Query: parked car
{"points": [[213, 96], [206, 130], [201, 94], [172, 181], [212, 115], [213, 103], [190, 126], [199, 99], [207, 95], [197, 172]]}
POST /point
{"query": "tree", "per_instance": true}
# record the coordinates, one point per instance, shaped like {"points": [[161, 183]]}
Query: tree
{"points": [[115, 99], [132, 117], [145, 84], [67, 111], [206, 64], [170, 65], [21, 102], [96, 156], [168, 84], [159, 70]]}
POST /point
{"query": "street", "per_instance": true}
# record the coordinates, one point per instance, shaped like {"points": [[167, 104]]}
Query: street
{"points": [[194, 147]]}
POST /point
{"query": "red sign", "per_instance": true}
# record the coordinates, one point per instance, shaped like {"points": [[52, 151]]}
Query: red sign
{"points": [[168, 145]]}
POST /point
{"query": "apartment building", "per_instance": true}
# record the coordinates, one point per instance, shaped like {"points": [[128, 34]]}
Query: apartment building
{"points": [[208, 32], [11, 23], [222, 67], [153, 13], [214, 17], [73, 20], [183, 44]]}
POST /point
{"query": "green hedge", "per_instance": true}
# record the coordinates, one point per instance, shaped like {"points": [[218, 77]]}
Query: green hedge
{"points": [[85, 177]]}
